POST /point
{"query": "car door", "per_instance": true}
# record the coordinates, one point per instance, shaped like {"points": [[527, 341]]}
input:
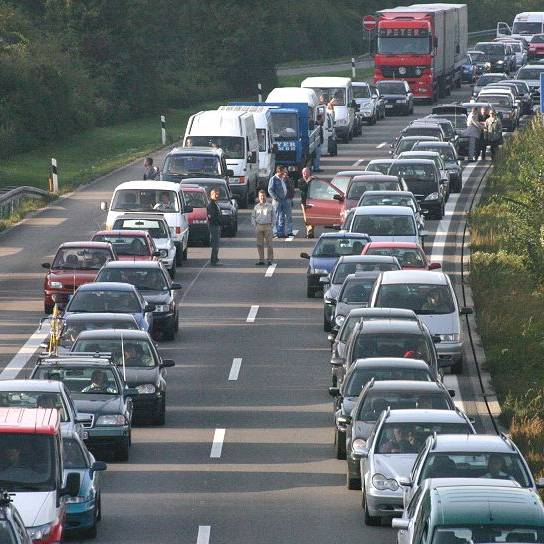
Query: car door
{"points": [[324, 203]]}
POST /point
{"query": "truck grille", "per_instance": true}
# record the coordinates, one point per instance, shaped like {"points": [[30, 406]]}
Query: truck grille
{"points": [[393, 71], [286, 156]]}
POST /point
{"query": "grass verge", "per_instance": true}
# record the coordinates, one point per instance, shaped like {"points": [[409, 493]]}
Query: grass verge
{"points": [[507, 277], [296, 80], [29, 205]]}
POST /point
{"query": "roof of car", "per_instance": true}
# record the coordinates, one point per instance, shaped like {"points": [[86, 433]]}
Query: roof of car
{"points": [[360, 84], [29, 420], [394, 244], [369, 275], [192, 188], [344, 234], [196, 150], [401, 194], [491, 443], [107, 286], [413, 276], [390, 326], [418, 154], [77, 362], [430, 416], [203, 181], [384, 210], [384, 313], [414, 161], [367, 258], [132, 264], [149, 184], [435, 144], [407, 385], [415, 137], [390, 362], [45, 386], [350, 173], [128, 233], [374, 177], [379, 161], [101, 317], [114, 333], [87, 244]]}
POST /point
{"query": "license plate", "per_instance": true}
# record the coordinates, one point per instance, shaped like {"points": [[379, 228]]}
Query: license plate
{"points": [[389, 106]]}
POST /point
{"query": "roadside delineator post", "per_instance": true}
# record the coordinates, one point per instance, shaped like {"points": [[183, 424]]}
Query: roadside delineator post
{"points": [[163, 129], [54, 176], [259, 92], [352, 67]]}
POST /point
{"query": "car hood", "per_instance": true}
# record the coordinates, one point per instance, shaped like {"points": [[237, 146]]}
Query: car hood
{"points": [[441, 324], [362, 429], [157, 297], [36, 507], [138, 376], [363, 101], [91, 403], [324, 263], [397, 465], [333, 291], [73, 277]]}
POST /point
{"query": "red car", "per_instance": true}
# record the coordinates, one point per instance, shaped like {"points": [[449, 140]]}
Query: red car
{"points": [[74, 264], [410, 255], [129, 245], [199, 228], [536, 47]]}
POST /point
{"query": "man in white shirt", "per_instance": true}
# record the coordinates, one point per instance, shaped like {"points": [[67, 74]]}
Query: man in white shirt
{"points": [[262, 218]]}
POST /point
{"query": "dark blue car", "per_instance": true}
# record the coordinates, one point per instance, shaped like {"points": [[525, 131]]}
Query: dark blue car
{"points": [[328, 249]]}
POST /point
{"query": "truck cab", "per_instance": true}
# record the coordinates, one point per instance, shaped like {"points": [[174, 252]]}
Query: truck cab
{"points": [[32, 470]]}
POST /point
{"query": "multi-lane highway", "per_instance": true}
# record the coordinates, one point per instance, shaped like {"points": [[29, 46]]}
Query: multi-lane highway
{"points": [[246, 454]]}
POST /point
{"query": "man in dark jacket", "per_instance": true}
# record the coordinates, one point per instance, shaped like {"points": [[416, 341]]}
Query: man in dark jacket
{"points": [[150, 171], [214, 219]]}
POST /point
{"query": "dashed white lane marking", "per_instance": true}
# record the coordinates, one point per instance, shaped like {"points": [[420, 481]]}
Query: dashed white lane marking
{"points": [[291, 238], [252, 313], [270, 270], [235, 369], [217, 444], [14, 367], [203, 534], [383, 144]]}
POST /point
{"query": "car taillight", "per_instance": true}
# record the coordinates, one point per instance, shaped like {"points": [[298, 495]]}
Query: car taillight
{"points": [[178, 230], [242, 179]]}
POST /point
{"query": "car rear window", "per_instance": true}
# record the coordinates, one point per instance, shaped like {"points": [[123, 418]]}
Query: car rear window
{"points": [[336, 247], [359, 186], [376, 402], [384, 225]]}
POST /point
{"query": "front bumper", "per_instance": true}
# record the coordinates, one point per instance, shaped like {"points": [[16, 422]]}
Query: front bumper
{"points": [[80, 516], [430, 206], [146, 405], [384, 503], [199, 232], [450, 350], [162, 320], [106, 437]]}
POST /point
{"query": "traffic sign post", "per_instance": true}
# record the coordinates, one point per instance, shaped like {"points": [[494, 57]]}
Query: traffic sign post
{"points": [[369, 25]]}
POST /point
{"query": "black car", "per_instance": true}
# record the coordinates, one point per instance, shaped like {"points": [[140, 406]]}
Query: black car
{"points": [[154, 284], [226, 202], [406, 143], [424, 129], [397, 96], [449, 156], [486, 79], [524, 93], [328, 249], [97, 388], [498, 55], [139, 363], [423, 179]]}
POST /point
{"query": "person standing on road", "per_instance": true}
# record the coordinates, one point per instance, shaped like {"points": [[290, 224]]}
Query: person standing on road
{"points": [[150, 171], [474, 130], [304, 188], [493, 131], [214, 219], [317, 158], [290, 187], [262, 218], [277, 189]]}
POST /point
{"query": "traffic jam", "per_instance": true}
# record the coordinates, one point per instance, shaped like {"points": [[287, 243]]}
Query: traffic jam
{"points": [[393, 337]]}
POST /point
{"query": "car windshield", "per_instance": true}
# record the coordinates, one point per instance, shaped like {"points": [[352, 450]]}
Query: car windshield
{"points": [[155, 227], [145, 200], [424, 299], [494, 49], [74, 258], [81, 380], [7, 536], [422, 131], [34, 399], [486, 80], [530, 73], [477, 56], [497, 100], [27, 462], [516, 47], [403, 41], [343, 270], [384, 225], [361, 91], [382, 167], [284, 126], [137, 353], [358, 378], [413, 172], [447, 153], [135, 246], [328, 93], [463, 534], [124, 302], [407, 144], [189, 164], [72, 328], [72, 454], [395, 344], [232, 146], [387, 200], [410, 437], [526, 27], [467, 464], [195, 199], [336, 247], [407, 256], [358, 186], [356, 291], [391, 87], [223, 195], [376, 402], [144, 279]]}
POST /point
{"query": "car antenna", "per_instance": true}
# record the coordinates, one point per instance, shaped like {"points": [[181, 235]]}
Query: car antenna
{"points": [[123, 357]]}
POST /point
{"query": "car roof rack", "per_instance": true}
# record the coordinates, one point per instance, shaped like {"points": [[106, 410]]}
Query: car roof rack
{"points": [[433, 440], [88, 355]]}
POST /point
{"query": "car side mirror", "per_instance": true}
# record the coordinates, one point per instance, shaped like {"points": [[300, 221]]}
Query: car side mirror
{"points": [[46, 265], [435, 266], [175, 286], [156, 254], [338, 197], [149, 307], [230, 172], [104, 206], [331, 337], [99, 466], [405, 482], [73, 483], [400, 523], [304, 255], [452, 393], [334, 391], [343, 421], [325, 280], [337, 361], [168, 363], [466, 311]]}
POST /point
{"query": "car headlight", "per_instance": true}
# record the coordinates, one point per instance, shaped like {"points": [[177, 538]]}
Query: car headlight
{"points": [[367, 107], [55, 284], [339, 319], [329, 301], [500, 62], [450, 337], [379, 481], [160, 308], [432, 196], [319, 271], [40, 532], [145, 388], [115, 419], [358, 444], [226, 212], [163, 253]]}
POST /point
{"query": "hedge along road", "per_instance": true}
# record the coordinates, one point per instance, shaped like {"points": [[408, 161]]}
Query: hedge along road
{"points": [[246, 454]]}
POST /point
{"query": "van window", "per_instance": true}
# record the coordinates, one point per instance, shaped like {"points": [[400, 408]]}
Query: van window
{"points": [[233, 146], [186, 165], [328, 93], [526, 27], [261, 137], [145, 200]]}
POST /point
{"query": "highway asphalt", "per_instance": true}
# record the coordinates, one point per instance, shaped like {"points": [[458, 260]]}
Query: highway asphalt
{"points": [[246, 454]]}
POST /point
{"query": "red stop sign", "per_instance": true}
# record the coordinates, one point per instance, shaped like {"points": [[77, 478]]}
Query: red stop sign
{"points": [[369, 22]]}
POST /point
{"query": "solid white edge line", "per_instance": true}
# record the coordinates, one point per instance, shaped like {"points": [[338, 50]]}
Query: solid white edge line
{"points": [[252, 313], [217, 444], [25, 353], [270, 270], [235, 368], [291, 238], [203, 536]]}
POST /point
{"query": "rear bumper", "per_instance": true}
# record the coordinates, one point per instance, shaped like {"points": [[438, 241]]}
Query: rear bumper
{"points": [[147, 405], [106, 437], [199, 232], [450, 350], [79, 516]]}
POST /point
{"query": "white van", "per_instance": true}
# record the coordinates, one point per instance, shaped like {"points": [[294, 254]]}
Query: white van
{"points": [[235, 133], [164, 198], [263, 124], [525, 26], [339, 88]]}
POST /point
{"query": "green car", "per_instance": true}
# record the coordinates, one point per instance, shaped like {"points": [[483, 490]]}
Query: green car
{"points": [[100, 395], [471, 510]]}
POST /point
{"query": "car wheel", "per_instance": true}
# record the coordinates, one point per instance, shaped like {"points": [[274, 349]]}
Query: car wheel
{"points": [[326, 324], [369, 520], [179, 256], [340, 443], [122, 451], [92, 531], [457, 368], [161, 416], [99, 508]]}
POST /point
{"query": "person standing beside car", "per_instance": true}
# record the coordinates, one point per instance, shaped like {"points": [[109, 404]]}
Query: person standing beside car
{"points": [[150, 171], [215, 221], [277, 189], [304, 188], [262, 218], [317, 158], [474, 130], [493, 131]]}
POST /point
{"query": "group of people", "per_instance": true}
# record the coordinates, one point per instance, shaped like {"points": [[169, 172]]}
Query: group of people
{"points": [[484, 128]]}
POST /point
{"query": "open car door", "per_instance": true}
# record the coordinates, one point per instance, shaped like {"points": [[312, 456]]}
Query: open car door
{"points": [[324, 204]]}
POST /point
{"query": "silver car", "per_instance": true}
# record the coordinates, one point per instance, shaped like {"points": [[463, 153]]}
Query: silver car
{"points": [[379, 165], [390, 452], [431, 296], [394, 198]]}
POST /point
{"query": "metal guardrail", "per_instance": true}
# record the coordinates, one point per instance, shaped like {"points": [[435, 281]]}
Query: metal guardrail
{"points": [[12, 197], [478, 33]]}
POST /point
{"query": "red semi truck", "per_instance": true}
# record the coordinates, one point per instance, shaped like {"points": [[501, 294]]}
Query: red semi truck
{"points": [[425, 44]]}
